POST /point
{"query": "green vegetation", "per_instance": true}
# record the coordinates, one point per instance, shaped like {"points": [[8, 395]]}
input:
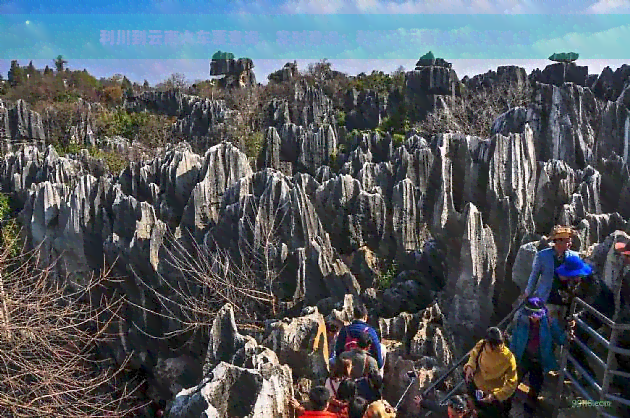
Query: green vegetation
{"points": [[148, 128], [379, 81], [9, 230], [120, 122], [69, 148], [334, 161], [115, 161], [341, 118], [60, 63], [398, 139], [428, 56], [254, 144], [385, 280], [62, 85], [396, 124], [223, 56], [564, 56]]}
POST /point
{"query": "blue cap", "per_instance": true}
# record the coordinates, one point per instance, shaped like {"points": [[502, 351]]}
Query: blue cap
{"points": [[574, 266]]}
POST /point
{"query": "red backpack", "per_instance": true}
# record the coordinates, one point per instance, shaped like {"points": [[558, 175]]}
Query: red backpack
{"points": [[352, 343]]}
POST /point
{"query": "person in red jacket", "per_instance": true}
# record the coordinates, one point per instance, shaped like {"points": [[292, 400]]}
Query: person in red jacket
{"points": [[319, 402], [340, 404]]}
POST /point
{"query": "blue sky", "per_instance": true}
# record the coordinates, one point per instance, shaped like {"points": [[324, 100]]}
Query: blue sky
{"points": [[523, 32]]}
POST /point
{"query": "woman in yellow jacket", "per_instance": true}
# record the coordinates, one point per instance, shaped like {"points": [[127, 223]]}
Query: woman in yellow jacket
{"points": [[491, 375]]}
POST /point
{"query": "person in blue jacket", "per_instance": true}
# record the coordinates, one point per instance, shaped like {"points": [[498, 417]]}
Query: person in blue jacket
{"points": [[533, 338], [544, 282], [349, 335]]}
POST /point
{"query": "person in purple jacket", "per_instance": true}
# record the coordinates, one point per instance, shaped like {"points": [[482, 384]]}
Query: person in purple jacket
{"points": [[349, 335]]}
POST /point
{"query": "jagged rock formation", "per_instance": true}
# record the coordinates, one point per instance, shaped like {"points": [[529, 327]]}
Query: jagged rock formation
{"points": [[203, 122], [505, 75], [415, 342], [299, 148], [608, 85], [301, 343], [20, 124], [563, 72], [286, 73], [366, 109], [429, 60], [82, 132], [237, 73], [304, 105], [425, 86], [233, 391], [123, 146], [312, 105], [71, 212]]}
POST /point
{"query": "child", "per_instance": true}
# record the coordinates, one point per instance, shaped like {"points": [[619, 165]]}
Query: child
{"points": [[340, 372]]}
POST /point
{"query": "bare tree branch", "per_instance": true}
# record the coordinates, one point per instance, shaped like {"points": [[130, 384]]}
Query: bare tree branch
{"points": [[49, 338]]}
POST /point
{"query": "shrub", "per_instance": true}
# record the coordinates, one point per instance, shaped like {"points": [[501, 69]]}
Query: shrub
{"points": [[112, 95], [385, 280], [64, 148], [398, 123], [115, 161], [333, 158], [10, 230], [147, 128], [341, 118], [380, 82], [254, 144], [398, 139]]}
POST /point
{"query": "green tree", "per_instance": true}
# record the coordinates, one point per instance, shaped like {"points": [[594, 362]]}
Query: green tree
{"points": [[59, 63], [127, 86], [48, 71], [16, 74], [31, 69], [145, 85], [320, 70]]}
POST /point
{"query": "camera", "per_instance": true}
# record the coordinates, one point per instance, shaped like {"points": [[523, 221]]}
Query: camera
{"points": [[479, 394], [411, 374]]}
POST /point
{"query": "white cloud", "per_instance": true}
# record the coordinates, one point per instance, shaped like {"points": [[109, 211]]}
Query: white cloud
{"points": [[609, 6], [409, 6], [312, 7], [607, 43]]}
